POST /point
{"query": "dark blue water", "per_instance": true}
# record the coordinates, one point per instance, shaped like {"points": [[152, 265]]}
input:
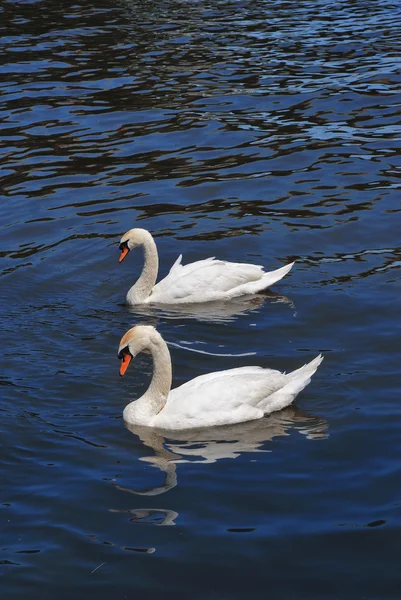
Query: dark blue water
{"points": [[255, 131]]}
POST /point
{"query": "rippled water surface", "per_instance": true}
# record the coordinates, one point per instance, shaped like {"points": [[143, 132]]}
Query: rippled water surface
{"points": [[259, 131]]}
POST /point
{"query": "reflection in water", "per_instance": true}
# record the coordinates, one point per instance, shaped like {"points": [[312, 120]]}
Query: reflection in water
{"points": [[96, 540], [149, 516], [217, 311], [164, 465], [215, 443]]}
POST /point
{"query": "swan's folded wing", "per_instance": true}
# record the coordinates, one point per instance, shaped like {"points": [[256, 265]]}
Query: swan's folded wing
{"points": [[204, 279], [223, 397]]}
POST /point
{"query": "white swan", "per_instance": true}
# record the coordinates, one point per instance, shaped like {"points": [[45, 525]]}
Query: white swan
{"points": [[201, 281], [220, 398]]}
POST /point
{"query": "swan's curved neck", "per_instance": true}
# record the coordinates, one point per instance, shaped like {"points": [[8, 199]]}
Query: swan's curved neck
{"points": [[142, 289], [160, 385], [152, 402]]}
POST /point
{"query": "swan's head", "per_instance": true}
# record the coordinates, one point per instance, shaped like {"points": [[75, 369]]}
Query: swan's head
{"points": [[131, 239], [137, 339]]}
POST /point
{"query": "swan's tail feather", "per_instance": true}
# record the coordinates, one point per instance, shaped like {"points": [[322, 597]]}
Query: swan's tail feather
{"points": [[267, 279], [297, 381], [307, 370], [276, 275], [272, 277]]}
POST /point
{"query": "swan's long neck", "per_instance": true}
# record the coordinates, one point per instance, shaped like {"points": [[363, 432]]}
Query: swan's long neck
{"points": [[160, 385], [142, 289], [152, 402]]}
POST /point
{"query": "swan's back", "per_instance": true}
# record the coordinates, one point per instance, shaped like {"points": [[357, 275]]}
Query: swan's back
{"points": [[209, 278], [232, 396], [219, 398], [230, 382]]}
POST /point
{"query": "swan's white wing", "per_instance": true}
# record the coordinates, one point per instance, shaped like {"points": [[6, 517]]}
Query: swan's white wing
{"points": [[224, 378], [233, 396], [208, 279], [244, 385], [220, 398]]}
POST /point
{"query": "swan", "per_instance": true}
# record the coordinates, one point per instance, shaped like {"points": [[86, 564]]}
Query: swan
{"points": [[219, 398], [201, 281]]}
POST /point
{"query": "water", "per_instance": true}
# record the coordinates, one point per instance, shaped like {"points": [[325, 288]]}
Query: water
{"points": [[258, 131]]}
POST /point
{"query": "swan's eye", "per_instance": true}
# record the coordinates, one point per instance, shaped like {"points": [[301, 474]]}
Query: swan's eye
{"points": [[123, 245], [124, 351]]}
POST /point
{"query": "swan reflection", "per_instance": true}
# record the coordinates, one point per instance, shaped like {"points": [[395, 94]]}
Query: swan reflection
{"points": [[217, 311], [150, 516], [210, 445]]}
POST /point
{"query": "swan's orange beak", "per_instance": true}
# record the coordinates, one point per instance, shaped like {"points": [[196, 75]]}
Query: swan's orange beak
{"points": [[123, 254], [125, 361]]}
